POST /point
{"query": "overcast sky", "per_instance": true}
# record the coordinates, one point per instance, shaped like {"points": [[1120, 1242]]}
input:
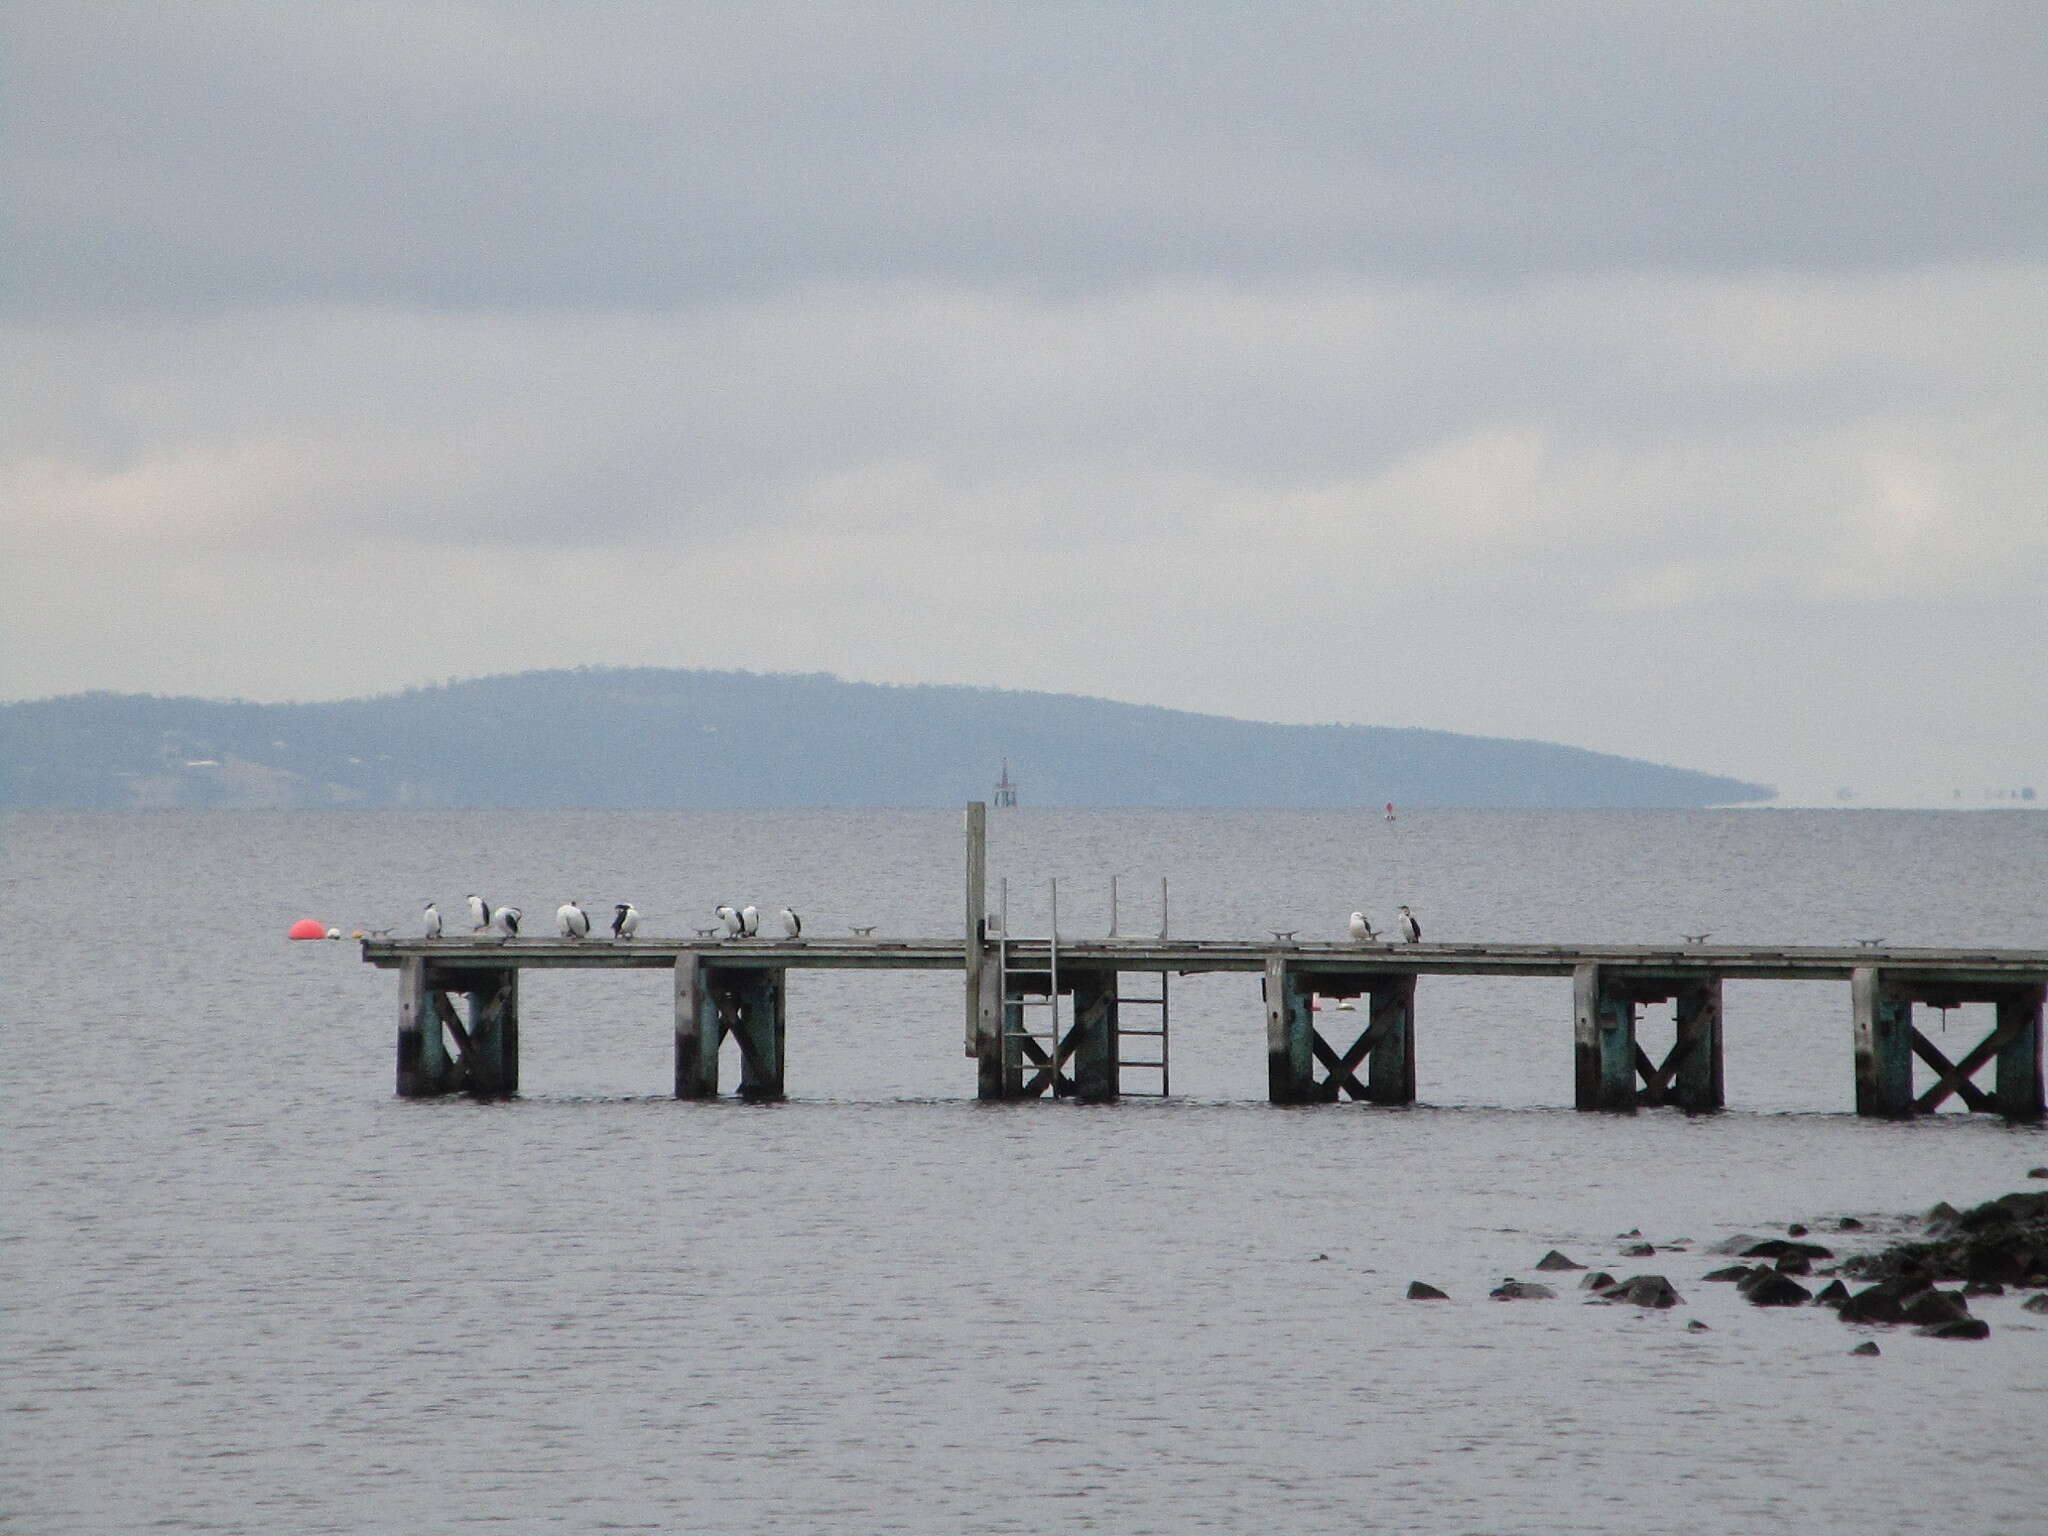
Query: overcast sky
{"points": [[1669, 379]]}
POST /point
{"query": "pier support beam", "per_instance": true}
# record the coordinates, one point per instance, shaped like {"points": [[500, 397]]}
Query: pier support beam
{"points": [[1092, 1041], [1025, 1061], [713, 1001], [485, 1059], [1886, 1041], [1290, 1035], [1612, 1071], [1883, 1027]]}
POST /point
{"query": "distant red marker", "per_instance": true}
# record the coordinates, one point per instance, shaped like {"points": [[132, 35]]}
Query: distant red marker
{"points": [[307, 928]]}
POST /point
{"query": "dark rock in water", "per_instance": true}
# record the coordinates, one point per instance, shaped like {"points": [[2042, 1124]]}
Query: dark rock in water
{"points": [[1736, 1244], [1768, 1288], [1631, 1232], [1417, 1291], [1638, 1251], [2037, 1173], [2035, 1303], [1941, 1212], [1732, 1272], [2003, 1242], [1792, 1264], [1521, 1290], [1781, 1247], [1694, 1325], [1797, 1229], [1832, 1295], [1884, 1302], [1643, 1291], [1849, 1224], [1931, 1307], [1598, 1280], [1957, 1328], [1983, 1288], [1556, 1260], [1321, 1258], [1867, 1347]]}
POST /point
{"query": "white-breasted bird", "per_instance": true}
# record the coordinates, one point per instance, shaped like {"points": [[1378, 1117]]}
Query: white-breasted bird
{"points": [[792, 925], [431, 916], [750, 920], [729, 921], [506, 921], [1361, 928], [1411, 930], [572, 921], [625, 920], [479, 912]]}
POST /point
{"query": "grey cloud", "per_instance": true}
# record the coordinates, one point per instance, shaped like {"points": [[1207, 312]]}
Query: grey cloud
{"points": [[609, 154]]}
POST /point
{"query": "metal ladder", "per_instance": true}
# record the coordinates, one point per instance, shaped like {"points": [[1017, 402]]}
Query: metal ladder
{"points": [[1050, 1038], [1162, 1002]]}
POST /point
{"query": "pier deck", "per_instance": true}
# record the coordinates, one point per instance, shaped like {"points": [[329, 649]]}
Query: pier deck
{"points": [[736, 988]]}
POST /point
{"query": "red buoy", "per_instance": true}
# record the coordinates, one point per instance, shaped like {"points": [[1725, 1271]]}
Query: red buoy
{"points": [[307, 928]]}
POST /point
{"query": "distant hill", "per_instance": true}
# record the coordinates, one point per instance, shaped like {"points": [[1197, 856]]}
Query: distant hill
{"points": [[646, 737]]}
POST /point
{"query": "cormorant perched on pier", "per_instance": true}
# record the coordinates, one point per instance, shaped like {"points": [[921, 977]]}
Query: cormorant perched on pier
{"points": [[1411, 930], [729, 919], [431, 916], [625, 920], [792, 925], [506, 921], [572, 920], [1361, 928], [750, 920], [479, 912]]}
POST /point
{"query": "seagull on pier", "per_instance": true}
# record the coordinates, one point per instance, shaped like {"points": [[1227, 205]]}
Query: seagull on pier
{"points": [[1361, 928], [479, 912], [625, 920], [572, 921], [750, 920], [506, 921], [431, 916], [792, 925], [729, 922], [1411, 930]]}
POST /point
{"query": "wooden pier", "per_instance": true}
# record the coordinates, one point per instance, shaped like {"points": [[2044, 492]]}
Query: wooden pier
{"points": [[736, 987]]}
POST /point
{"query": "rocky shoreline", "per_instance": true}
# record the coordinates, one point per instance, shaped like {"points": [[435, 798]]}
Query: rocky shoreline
{"points": [[1924, 1282]]}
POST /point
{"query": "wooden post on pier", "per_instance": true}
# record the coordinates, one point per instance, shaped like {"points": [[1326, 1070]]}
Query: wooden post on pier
{"points": [[2017, 1088], [491, 1058], [1093, 1035], [1603, 1042], [423, 1064], [1390, 1037], [1290, 1036], [699, 1030], [977, 927], [754, 1005], [1883, 1026]]}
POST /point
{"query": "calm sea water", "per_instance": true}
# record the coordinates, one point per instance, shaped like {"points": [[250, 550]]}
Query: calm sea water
{"points": [[247, 1289]]}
